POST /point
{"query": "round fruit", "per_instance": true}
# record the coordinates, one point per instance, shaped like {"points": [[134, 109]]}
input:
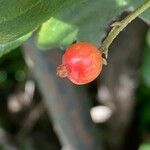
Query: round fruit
{"points": [[81, 63]]}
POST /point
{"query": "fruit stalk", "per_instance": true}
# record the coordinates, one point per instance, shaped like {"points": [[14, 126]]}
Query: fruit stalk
{"points": [[120, 25]]}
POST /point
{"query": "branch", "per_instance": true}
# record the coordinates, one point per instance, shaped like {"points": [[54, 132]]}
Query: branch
{"points": [[67, 104], [119, 26]]}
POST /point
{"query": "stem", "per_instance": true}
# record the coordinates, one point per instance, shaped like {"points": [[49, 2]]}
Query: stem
{"points": [[119, 26]]}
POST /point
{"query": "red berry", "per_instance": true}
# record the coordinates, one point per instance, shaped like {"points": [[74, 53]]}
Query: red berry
{"points": [[81, 63]]}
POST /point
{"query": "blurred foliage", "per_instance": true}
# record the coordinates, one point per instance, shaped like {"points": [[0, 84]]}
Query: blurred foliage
{"points": [[83, 21], [143, 97], [13, 76], [10, 64], [148, 38], [69, 20], [145, 68], [12, 69], [145, 146]]}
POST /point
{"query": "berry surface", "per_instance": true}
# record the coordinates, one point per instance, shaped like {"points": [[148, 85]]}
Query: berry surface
{"points": [[81, 63]]}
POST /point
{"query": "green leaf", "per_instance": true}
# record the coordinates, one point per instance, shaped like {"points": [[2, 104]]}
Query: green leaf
{"points": [[19, 17], [55, 31], [5, 48], [83, 21]]}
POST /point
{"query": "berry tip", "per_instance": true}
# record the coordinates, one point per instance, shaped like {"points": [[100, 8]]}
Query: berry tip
{"points": [[62, 71]]}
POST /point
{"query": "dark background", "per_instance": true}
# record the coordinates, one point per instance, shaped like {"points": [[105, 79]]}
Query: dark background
{"points": [[35, 104]]}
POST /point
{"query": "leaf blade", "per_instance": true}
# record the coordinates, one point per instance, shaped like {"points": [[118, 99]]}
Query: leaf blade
{"points": [[5, 48], [18, 17]]}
